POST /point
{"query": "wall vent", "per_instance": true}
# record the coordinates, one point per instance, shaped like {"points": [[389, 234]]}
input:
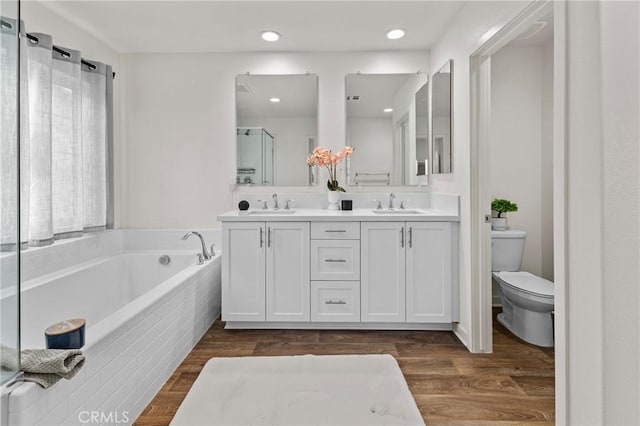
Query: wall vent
{"points": [[533, 29]]}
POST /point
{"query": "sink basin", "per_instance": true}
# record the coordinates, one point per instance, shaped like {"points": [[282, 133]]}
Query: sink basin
{"points": [[272, 212], [396, 211]]}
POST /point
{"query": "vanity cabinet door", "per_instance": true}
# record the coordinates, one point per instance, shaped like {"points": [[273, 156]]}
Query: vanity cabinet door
{"points": [[382, 273], [288, 281], [428, 272], [243, 271]]}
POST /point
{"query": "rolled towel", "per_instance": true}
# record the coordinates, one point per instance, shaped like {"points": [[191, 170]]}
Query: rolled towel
{"points": [[47, 366]]}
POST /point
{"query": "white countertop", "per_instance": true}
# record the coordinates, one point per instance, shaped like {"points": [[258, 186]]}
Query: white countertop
{"points": [[324, 215]]}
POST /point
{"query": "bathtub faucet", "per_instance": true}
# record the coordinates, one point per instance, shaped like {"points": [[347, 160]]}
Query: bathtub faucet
{"points": [[205, 252]]}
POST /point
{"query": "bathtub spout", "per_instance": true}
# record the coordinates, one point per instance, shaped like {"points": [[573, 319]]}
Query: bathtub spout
{"points": [[205, 252]]}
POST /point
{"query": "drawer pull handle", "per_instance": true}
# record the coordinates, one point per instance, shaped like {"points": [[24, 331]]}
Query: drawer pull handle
{"points": [[335, 302], [335, 230], [335, 260]]}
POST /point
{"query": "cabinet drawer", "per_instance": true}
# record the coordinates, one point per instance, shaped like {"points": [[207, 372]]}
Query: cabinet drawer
{"points": [[335, 301], [333, 260], [335, 230]]}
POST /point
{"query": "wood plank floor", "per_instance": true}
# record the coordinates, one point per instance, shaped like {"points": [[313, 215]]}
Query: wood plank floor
{"points": [[513, 385]]}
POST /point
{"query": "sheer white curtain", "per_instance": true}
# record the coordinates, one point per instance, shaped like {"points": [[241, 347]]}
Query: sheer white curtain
{"points": [[9, 134], [66, 144], [39, 65], [94, 135], [66, 173]]}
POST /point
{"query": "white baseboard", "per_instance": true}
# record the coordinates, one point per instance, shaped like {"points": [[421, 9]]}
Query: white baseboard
{"points": [[462, 334]]}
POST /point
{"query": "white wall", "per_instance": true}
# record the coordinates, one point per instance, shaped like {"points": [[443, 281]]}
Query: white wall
{"points": [[38, 18], [517, 144], [603, 212], [467, 31], [180, 109], [546, 237], [291, 145], [372, 139]]}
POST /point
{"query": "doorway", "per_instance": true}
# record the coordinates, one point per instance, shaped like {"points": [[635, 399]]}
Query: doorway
{"points": [[499, 54]]}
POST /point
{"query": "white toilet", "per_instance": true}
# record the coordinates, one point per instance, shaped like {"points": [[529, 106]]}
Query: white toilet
{"points": [[527, 300]]}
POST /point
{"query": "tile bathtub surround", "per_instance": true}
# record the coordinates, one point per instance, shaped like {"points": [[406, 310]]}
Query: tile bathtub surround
{"points": [[127, 367], [169, 239], [39, 261]]}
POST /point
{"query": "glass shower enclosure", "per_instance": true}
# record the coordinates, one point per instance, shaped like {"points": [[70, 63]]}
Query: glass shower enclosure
{"points": [[255, 151], [9, 191]]}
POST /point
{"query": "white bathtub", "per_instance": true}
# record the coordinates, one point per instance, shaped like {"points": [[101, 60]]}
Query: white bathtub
{"points": [[143, 318]]}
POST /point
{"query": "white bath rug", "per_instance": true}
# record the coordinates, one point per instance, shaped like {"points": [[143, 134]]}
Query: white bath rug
{"points": [[340, 390]]}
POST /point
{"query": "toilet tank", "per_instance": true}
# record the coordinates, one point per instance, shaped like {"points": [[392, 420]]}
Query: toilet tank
{"points": [[507, 248]]}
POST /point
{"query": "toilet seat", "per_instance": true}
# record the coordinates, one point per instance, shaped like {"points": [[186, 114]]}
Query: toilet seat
{"points": [[527, 282]]}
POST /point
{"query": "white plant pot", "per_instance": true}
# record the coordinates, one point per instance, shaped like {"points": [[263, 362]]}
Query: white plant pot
{"points": [[334, 199], [499, 223]]}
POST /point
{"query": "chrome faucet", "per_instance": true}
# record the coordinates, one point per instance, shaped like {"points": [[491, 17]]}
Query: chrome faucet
{"points": [[392, 197], [205, 252], [275, 202]]}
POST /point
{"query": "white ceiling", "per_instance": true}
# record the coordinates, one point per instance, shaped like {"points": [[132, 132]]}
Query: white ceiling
{"points": [[235, 26], [298, 96], [376, 92]]}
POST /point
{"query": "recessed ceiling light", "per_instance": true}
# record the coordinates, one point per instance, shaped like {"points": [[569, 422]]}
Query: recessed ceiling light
{"points": [[270, 35], [388, 110], [395, 34], [274, 100]]}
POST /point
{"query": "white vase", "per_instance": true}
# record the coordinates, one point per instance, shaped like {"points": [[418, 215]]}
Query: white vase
{"points": [[334, 199], [499, 223]]}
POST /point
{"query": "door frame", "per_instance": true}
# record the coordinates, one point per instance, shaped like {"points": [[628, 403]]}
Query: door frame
{"points": [[481, 335]]}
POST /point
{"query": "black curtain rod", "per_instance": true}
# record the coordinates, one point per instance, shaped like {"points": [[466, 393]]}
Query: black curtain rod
{"points": [[66, 54]]}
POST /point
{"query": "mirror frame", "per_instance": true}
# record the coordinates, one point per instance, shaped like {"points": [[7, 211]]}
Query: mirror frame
{"points": [[448, 64], [312, 175]]}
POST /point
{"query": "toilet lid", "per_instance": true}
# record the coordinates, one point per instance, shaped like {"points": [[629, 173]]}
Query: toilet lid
{"points": [[527, 282]]}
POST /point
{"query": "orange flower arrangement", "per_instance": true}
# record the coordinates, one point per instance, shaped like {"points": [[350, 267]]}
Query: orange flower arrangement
{"points": [[324, 157]]}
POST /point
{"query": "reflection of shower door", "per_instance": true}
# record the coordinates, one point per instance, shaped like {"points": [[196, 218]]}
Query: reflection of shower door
{"points": [[268, 158], [255, 156]]}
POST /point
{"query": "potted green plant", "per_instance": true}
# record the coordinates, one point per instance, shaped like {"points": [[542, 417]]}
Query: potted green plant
{"points": [[500, 207]]}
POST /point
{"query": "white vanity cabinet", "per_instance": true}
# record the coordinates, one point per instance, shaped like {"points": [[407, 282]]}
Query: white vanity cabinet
{"points": [[243, 271], [383, 272], [406, 272], [428, 272], [288, 278], [266, 271], [365, 269], [335, 272]]}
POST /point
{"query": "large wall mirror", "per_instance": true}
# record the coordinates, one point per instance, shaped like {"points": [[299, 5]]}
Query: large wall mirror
{"points": [[387, 126], [277, 128], [441, 120]]}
